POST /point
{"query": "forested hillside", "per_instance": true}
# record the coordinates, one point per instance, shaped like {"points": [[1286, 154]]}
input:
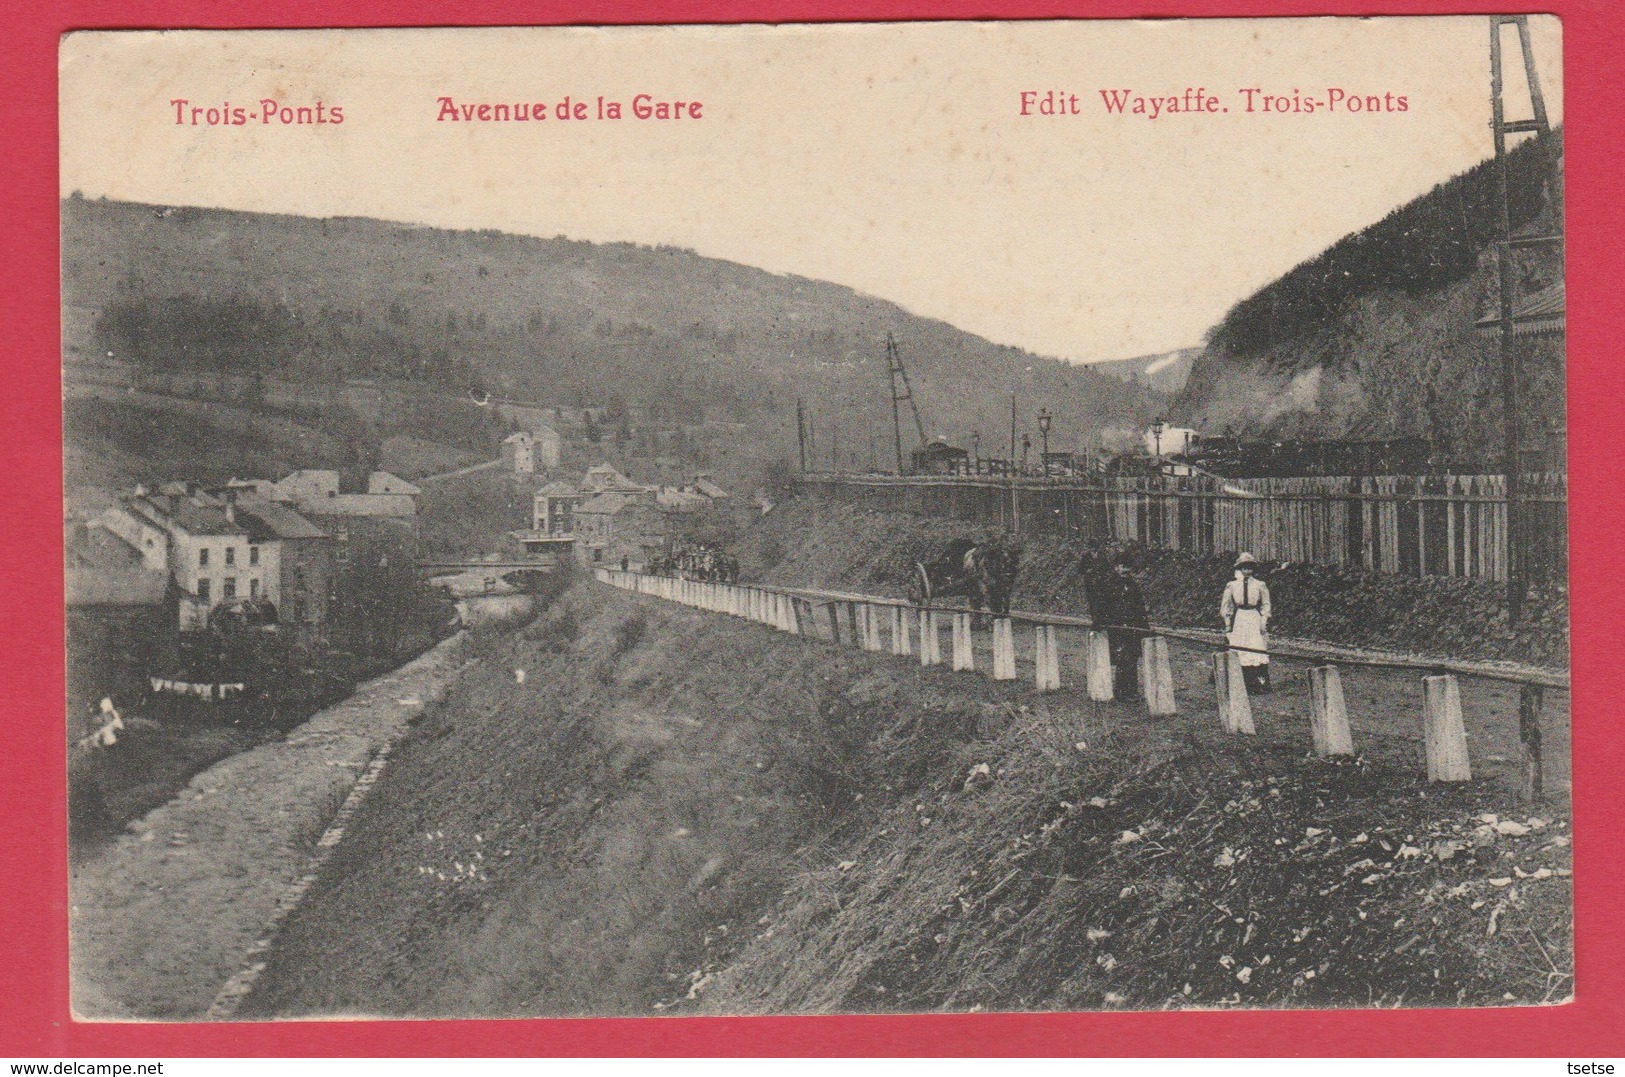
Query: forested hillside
{"points": [[1375, 336], [689, 338]]}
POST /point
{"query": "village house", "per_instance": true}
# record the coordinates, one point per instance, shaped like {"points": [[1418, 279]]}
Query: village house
{"points": [[306, 485], [221, 547], [701, 484], [321, 493], [519, 453], [603, 478], [615, 525], [210, 555], [553, 508], [676, 499], [299, 562], [382, 482]]}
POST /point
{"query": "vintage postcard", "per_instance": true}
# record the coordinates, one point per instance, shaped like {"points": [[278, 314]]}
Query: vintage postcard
{"points": [[806, 519]]}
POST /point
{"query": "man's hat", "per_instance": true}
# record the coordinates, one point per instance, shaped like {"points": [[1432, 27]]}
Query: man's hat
{"points": [[1246, 559]]}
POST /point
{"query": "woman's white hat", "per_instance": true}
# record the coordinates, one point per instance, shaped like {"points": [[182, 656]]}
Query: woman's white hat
{"points": [[1246, 559]]}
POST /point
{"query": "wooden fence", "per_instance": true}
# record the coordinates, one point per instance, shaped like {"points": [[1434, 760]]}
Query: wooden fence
{"points": [[1438, 525]]}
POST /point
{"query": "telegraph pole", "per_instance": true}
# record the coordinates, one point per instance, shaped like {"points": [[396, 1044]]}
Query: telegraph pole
{"points": [[1015, 493], [1506, 274]]}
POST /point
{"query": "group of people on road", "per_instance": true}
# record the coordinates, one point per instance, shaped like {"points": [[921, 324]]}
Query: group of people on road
{"points": [[1117, 604], [704, 563]]}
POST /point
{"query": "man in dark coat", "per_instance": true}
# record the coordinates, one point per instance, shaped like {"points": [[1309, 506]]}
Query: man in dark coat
{"points": [[1117, 603]]}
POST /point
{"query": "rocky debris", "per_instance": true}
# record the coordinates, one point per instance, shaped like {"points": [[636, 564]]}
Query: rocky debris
{"points": [[1244, 877]]}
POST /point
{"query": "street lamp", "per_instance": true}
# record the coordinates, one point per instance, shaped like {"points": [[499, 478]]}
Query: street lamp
{"points": [[1044, 420], [1157, 428], [976, 451]]}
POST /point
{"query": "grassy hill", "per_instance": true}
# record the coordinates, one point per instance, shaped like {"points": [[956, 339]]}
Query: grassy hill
{"points": [[1374, 337], [661, 333]]}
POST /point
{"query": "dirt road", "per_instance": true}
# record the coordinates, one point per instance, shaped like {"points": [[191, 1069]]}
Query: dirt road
{"points": [[161, 919]]}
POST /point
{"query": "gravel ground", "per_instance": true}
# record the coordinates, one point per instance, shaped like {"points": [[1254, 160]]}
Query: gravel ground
{"points": [[161, 919]]}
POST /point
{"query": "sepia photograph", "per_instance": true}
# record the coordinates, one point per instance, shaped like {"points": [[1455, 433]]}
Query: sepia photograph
{"points": [[838, 518]]}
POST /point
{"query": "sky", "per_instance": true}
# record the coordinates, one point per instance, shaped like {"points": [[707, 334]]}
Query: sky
{"points": [[892, 158]]}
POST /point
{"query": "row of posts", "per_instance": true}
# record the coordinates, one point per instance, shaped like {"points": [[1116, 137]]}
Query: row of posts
{"points": [[863, 623]]}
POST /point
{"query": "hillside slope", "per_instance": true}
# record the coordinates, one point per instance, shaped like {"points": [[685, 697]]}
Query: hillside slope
{"points": [[554, 320], [1375, 337]]}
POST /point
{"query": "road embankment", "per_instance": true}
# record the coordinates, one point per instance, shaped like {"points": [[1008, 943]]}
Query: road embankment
{"points": [[635, 807]]}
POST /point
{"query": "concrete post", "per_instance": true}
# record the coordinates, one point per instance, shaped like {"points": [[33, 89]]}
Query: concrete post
{"points": [[900, 644], [1235, 706], [871, 629], [832, 611], [1328, 717], [1445, 734], [1098, 668], [1048, 658], [930, 643], [1004, 650], [1157, 677], [964, 654]]}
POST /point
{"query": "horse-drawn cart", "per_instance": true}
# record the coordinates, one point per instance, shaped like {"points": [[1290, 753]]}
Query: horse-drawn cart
{"points": [[984, 572]]}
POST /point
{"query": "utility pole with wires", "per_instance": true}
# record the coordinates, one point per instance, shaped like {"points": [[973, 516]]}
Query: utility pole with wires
{"points": [[901, 390], [1506, 251]]}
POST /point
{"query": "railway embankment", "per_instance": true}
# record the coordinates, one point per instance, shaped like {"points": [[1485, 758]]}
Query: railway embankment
{"points": [[635, 807], [814, 542]]}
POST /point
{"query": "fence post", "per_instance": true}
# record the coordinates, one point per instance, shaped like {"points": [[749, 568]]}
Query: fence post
{"points": [[1157, 677], [1049, 660], [1328, 717], [1004, 650], [900, 644], [964, 655], [930, 644], [871, 629], [1444, 731], [833, 611], [1530, 700], [1235, 707], [1098, 667]]}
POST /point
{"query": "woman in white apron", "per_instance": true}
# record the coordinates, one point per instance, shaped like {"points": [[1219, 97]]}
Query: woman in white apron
{"points": [[1245, 608]]}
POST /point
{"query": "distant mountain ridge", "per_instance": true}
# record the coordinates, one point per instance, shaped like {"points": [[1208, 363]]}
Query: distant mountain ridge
{"points": [[553, 320], [1165, 372]]}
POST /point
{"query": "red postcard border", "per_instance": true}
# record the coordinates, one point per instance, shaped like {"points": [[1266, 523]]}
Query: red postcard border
{"points": [[34, 1017]]}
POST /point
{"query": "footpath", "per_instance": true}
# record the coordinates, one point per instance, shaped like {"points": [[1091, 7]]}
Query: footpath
{"points": [[162, 919]]}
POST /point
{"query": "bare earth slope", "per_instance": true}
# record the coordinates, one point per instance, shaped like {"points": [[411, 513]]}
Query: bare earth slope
{"points": [[675, 811]]}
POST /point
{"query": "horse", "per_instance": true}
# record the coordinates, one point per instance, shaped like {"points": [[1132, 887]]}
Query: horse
{"points": [[983, 572]]}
